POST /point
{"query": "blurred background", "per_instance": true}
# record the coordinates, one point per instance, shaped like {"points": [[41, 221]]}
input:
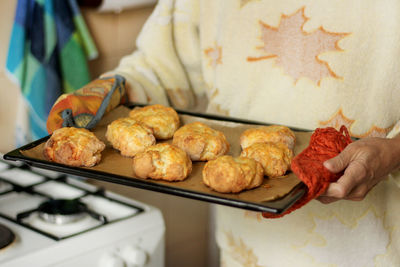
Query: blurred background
{"points": [[114, 26]]}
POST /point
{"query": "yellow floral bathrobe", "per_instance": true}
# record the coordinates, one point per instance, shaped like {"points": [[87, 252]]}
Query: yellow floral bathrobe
{"points": [[300, 63]]}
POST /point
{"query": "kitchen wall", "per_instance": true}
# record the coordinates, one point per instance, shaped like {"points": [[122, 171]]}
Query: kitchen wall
{"points": [[8, 91], [187, 221]]}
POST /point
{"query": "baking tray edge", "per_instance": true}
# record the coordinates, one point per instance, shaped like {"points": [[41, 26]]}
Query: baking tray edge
{"points": [[277, 206]]}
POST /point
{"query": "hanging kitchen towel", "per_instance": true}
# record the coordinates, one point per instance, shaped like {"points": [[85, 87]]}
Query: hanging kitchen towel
{"points": [[47, 55]]}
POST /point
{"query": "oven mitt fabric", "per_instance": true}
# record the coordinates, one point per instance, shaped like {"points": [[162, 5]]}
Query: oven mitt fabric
{"points": [[325, 143], [48, 52], [85, 107]]}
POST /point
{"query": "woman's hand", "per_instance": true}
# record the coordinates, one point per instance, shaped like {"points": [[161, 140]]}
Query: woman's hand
{"points": [[365, 163]]}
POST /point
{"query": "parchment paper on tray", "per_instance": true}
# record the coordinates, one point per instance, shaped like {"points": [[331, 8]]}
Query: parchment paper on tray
{"points": [[113, 163]]}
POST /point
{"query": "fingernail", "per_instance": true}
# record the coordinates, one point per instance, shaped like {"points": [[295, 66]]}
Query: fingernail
{"points": [[327, 164], [338, 191]]}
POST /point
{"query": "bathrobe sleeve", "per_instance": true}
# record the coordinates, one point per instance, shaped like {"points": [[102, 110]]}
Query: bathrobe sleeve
{"points": [[166, 67]]}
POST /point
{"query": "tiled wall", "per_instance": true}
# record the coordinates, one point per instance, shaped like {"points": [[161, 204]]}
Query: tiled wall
{"points": [[187, 221]]}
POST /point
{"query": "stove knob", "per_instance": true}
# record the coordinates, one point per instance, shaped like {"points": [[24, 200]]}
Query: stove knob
{"points": [[110, 260], [134, 256]]}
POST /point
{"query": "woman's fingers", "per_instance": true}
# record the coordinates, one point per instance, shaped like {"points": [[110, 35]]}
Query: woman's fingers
{"points": [[354, 176], [326, 200], [364, 162], [338, 163], [358, 193]]}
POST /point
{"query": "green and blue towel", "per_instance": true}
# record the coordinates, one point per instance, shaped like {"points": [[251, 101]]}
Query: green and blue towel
{"points": [[48, 52]]}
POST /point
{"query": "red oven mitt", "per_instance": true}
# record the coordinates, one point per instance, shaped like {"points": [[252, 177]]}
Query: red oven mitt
{"points": [[86, 106], [325, 143]]}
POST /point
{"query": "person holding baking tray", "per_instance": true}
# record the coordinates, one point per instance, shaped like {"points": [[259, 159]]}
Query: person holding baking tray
{"points": [[299, 63]]}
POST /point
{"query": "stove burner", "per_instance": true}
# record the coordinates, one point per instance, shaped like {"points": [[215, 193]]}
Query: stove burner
{"points": [[6, 236], [62, 211]]}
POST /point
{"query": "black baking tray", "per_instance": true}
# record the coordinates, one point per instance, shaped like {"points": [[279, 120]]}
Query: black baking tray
{"points": [[276, 206]]}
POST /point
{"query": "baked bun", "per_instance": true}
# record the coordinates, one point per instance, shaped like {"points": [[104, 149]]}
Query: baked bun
{"points": [[164, 121], [227, 174], [274, 157], [129, 137], [273, 133], [201, 142], [162, 162], [76, 147]]}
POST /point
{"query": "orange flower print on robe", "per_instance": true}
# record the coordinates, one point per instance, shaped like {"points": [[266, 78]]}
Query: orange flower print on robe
{"points": [[214, 55], [297, 51], [339, 119]]}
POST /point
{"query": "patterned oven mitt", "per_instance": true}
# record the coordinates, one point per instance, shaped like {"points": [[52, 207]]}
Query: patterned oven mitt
{"points": [[86, 106]]}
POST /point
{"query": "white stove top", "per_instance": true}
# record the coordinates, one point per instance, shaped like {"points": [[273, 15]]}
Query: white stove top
{"points": [[32, 189], [24, 189]]}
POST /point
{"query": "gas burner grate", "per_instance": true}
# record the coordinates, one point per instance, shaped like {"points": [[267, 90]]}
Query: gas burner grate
{"points": [[64, 199]]}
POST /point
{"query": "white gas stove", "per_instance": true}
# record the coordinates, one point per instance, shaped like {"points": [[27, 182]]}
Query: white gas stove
{"points": [[50, 219]]}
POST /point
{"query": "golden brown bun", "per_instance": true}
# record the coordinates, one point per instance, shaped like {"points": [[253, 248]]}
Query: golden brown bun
{"points": [[129, 137], [232, 175], [274, 157], [164, 121], [273, 133], [200, 141], [74, 147], [162, 162]]}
